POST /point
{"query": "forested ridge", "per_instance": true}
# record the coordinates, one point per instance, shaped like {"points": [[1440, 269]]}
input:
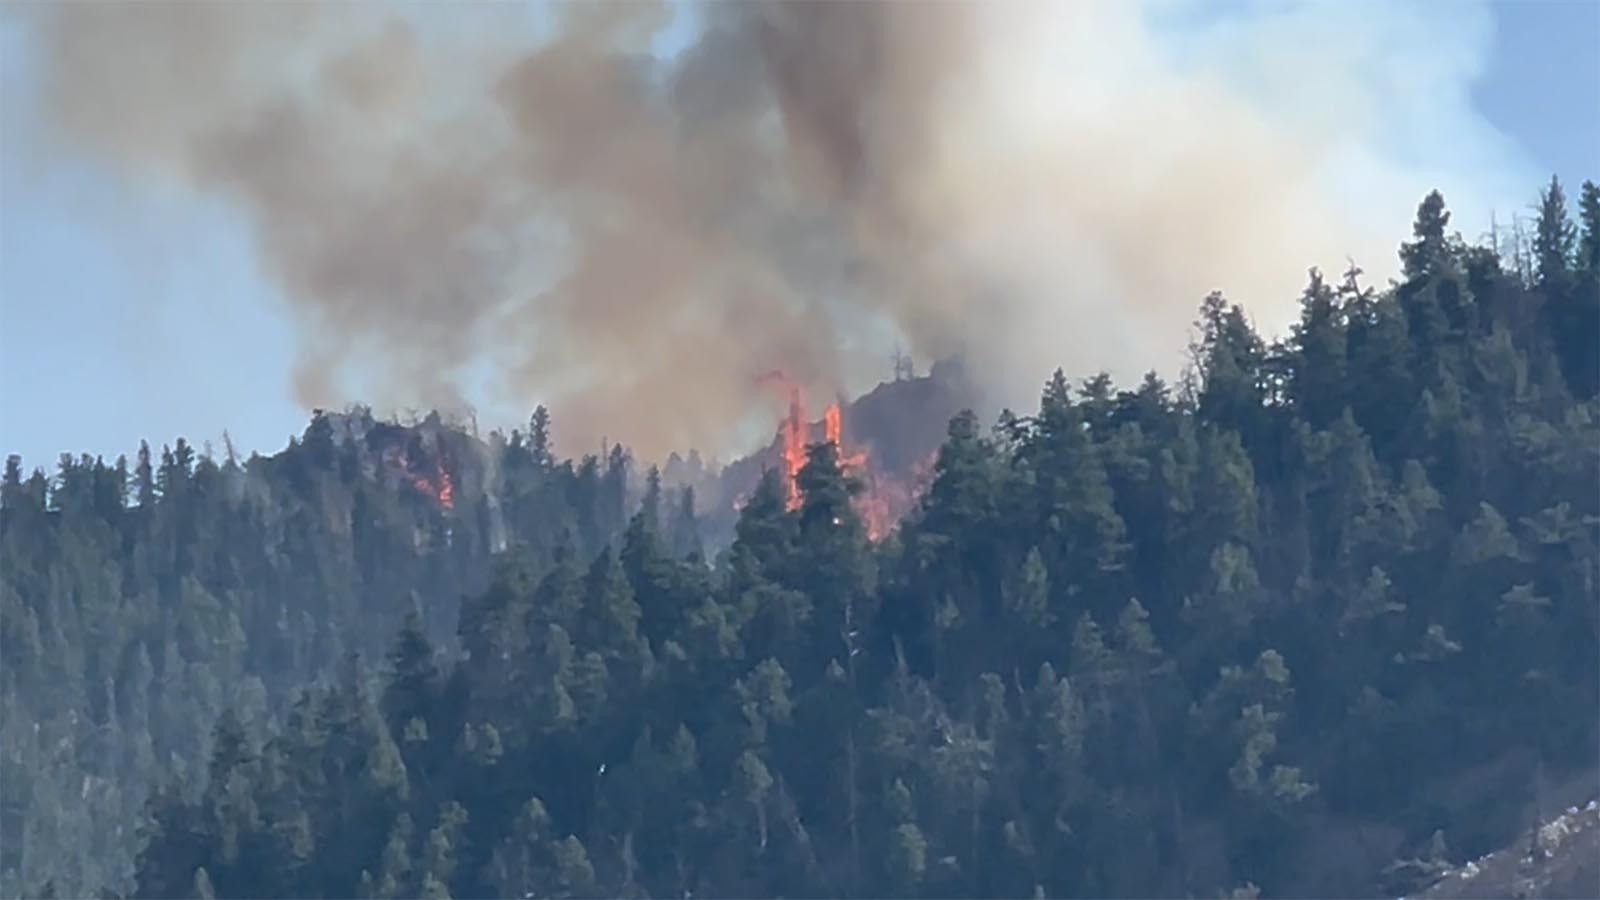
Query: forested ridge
{"points": [[1316, 621]]}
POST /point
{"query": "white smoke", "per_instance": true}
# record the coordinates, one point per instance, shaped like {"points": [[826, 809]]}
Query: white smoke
{"points": [[444, 191]]}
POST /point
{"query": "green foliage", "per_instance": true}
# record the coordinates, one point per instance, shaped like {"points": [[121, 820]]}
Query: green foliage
{"points": [[141, 601], [1359, 555], [908, 858]]}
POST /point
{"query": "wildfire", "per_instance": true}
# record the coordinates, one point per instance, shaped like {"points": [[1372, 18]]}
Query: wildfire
{"points": [[794, 444], [871, 505], [833, 430], [443, 491], [793, 432], [438, 487]]}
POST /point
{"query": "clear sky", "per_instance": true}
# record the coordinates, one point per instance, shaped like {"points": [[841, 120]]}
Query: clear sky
{"points": [[91, 269]]}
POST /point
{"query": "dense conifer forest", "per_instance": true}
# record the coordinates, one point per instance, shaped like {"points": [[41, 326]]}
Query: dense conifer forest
{"points": [[1318, 620]]}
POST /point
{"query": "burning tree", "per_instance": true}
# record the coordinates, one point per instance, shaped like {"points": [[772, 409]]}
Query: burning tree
{"points": [[882, 498]]}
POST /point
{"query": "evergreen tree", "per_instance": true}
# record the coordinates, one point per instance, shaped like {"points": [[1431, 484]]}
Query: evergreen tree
{"points": [[1318, 371], [838, 572], [1589, 238], [1397, 505], [1572, 303], [574, 874], [414, 683], [1555, 239], [1430, 250], [539, 438]]}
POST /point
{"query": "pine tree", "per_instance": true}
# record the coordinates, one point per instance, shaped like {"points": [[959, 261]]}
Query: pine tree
{"points": [[832, 551], [539, 438], [521, 864], [558, 600], [1029, 597], [1318, 370], [751, 785], [650, 506], [1573, 309], [395, 872], [414, 682], [764, 538], [764, 700], [610, 620], [1229, 358], [685, 530], [144, 477], [11, 488], [908, 859], [952, 542], [655, 578], [574, 874], [613, 496], [1430, 251], [442, 849], [1555, 239], [1589, 238], [1072, 501], [550, 680]]}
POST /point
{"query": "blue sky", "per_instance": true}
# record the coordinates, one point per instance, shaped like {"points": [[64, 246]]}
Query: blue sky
{"points": [[129, 314]]}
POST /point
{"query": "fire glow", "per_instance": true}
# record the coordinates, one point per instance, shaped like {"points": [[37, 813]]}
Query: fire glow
{"points": [[441, 489], [437, 486], [870, 504]]}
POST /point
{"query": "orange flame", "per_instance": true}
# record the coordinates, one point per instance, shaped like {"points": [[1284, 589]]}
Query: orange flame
{"points": [[439, 487], [870, 505], [793, 432], [833, 428], [447, 491], [794, 444], [879, 505], [443, 491]]}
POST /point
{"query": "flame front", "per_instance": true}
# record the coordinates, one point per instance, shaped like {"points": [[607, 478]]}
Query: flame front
{"points": [[793, 433], [870, 504], [881, 501], [833, 430], [441, 489], [438, 486], [794, 444]]}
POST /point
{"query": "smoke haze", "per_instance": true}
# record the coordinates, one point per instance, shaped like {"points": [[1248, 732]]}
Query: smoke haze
{"points": [[633, 235]]}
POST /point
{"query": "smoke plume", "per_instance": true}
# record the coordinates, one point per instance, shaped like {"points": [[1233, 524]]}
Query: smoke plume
{"points": [[629, 217]]}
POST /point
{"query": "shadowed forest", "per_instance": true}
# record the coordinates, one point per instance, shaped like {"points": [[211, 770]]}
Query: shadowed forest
{"points": [[1319, 619]]}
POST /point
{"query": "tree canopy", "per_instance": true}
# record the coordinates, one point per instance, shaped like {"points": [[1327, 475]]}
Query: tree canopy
{"points": [[1329, 605]]}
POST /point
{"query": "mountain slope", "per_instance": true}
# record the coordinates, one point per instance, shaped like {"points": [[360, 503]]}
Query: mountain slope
{"points": [[1332, 607], [1559, 861]]}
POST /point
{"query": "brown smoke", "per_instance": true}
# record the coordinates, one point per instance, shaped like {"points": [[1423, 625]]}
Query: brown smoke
{"points": [[631, 239]]}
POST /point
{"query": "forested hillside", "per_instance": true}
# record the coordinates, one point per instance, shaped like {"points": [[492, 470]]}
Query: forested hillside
{"points": [[142, 600], [1314, 622]]}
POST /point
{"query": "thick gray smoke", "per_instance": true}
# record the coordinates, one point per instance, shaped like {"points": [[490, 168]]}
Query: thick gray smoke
{"points": [[632, 234]]}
